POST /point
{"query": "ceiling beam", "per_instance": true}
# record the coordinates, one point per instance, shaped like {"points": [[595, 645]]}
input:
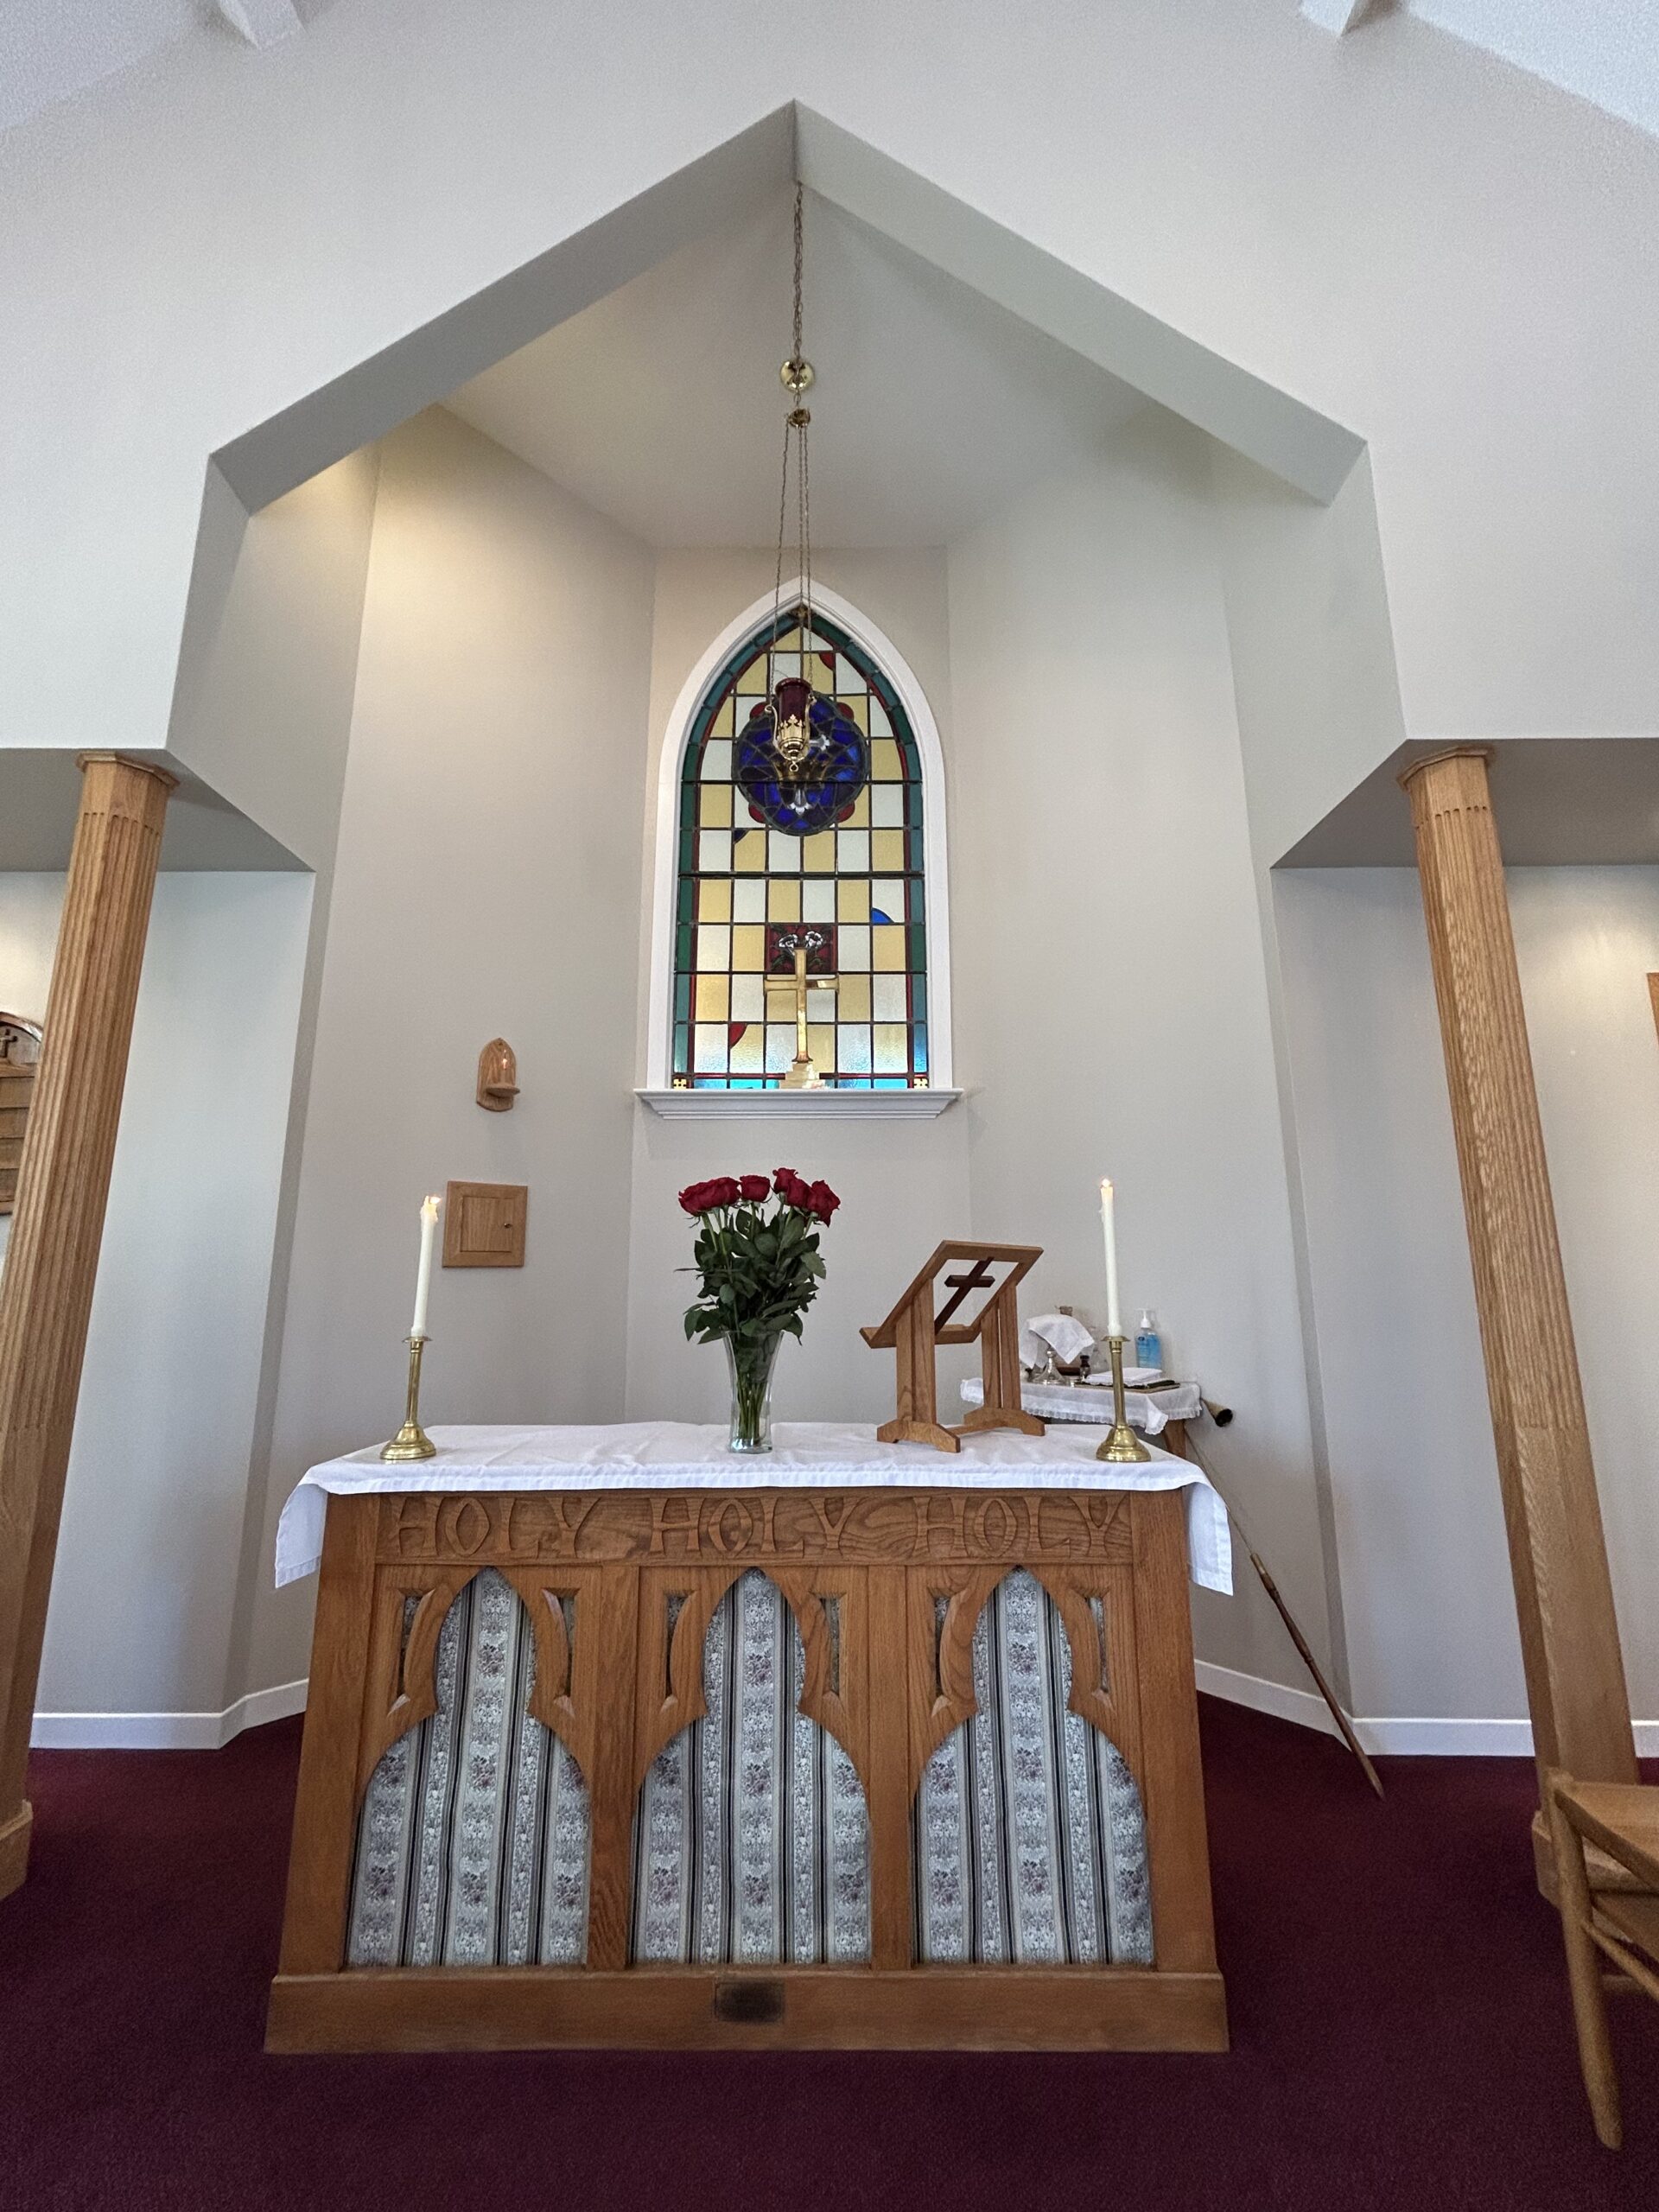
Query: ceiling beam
{"points": [[1335, 15], [263, 22]]}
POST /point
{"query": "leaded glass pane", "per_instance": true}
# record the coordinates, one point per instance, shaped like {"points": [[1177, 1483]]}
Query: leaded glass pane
{"points": [[748, 890]]}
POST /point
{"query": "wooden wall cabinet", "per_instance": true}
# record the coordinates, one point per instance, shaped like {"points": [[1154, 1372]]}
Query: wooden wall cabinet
{"points": [[484, 1224]]}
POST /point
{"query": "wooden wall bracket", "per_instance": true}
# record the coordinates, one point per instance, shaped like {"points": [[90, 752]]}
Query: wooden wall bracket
{"points": [[498, 1077]]}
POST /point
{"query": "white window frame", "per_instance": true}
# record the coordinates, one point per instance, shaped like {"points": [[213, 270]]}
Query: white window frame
{"points": [[707, 1105]]}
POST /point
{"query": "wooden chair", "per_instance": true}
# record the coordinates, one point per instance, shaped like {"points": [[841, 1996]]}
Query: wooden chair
{"points": [[1606, 1838]]}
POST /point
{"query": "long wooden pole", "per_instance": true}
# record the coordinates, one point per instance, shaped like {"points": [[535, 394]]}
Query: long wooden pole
{"points": [[46, 1292], [1558, 1557], [1304, 1649]]}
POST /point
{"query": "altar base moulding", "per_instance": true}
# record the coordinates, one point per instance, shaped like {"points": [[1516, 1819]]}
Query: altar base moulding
{"points": [[914, 1331]]}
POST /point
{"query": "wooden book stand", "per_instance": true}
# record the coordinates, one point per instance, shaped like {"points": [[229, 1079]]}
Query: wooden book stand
{"points": [[915, 1332]]}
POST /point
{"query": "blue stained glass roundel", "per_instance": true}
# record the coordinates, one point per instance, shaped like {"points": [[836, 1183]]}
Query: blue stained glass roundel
{"points": [[801, 759]]}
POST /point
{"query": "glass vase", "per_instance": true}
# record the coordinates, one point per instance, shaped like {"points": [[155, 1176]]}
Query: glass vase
{"points": [[750, 1366]]}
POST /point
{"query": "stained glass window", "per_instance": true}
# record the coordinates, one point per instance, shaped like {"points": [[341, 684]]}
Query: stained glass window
{"points": [[750, 896]]}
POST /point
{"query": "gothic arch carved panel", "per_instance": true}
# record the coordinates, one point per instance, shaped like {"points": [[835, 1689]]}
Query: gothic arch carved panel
{"points": [[473, 1834], [752, 1844], [1028, 1833]]}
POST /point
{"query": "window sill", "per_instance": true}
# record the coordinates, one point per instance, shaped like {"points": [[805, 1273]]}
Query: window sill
{"points": [[798, 1105]]}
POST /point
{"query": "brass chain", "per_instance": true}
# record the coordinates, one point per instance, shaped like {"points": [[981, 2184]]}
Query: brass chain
{"points": [[795, 422]]}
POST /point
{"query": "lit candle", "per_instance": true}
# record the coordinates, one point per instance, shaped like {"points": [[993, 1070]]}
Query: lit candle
{"points": [[423, 1275], [1109, 1226]]}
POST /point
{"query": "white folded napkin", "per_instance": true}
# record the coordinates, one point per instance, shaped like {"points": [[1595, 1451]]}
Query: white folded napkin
{"points": [[1063, 1333], [1134, 1378]]}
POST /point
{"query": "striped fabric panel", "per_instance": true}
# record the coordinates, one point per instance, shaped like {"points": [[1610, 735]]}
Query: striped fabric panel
{"points": [[1028, 1837], [751, 1843], [472, 1842]]}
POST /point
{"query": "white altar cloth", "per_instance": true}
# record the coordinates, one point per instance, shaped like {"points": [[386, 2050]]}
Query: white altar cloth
{"points": [[1150, 1411], [806, 1455]]}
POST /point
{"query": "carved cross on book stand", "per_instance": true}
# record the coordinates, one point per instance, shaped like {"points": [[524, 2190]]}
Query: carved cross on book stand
{"points": [[914, 1331]]}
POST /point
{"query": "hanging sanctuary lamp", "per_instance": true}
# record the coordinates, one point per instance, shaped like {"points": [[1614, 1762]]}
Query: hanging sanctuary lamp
{"points": [[801, 761]]}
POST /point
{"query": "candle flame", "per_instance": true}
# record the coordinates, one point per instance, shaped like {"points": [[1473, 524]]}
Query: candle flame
{"points": [[1105, 1187], [430, 1208]]}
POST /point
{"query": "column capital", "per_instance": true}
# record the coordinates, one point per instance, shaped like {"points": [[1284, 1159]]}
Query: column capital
{"points": [[1484, 753], [165, 777]]}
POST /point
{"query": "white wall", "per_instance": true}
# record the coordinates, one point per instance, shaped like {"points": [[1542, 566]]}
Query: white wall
{"points": [[487, 882], [148, 1559], [904, 1184], [156, 1559], [264, 708], [1111, 994], [1444, 254], [1427, 1595], [1307, 627]]}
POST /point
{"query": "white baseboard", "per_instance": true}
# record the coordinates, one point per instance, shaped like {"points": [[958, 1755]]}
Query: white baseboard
{"points": [[1303, 1707], [1401, 1736], [164, 1731]]}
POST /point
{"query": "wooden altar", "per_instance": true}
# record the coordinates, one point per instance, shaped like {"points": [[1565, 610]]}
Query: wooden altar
{"points": [[886, 1584]]}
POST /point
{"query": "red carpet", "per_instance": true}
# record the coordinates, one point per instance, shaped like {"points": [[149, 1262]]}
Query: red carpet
{"points": [[1398, 2010]]}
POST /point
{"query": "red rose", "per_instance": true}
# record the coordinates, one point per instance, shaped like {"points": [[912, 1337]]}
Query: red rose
{"points": [[723, 1191], [756, 1189], [792, 1189], [782, 1178], [822, 1201], [691, 1198]]}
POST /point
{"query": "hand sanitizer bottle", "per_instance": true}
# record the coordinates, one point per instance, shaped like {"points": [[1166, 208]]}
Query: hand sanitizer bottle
{"points": [[1148, 1350]]}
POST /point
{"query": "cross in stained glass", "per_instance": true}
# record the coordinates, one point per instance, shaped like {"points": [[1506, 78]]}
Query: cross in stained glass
{"points": [[799, 946]]}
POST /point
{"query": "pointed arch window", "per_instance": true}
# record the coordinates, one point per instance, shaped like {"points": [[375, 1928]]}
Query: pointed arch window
{"points": [[853, 895]]}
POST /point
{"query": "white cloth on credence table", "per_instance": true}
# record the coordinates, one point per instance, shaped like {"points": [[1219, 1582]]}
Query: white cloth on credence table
{"points": [[1061, 1333]]}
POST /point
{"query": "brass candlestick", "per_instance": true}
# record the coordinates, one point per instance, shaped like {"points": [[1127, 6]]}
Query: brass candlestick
{"points": [[1123, 1445], [411, 1441]]}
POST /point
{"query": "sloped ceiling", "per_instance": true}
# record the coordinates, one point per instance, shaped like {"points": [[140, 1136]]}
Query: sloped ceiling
{"points": [[660, 405], [52, 49], [1606, 51]]}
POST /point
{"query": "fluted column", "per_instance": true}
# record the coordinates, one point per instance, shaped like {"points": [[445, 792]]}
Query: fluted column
{"points": [[46, 1292], [1569, 1635]]}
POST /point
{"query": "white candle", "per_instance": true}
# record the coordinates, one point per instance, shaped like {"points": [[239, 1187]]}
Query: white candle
{"points": [[1109, 1225], [423, 1275]]}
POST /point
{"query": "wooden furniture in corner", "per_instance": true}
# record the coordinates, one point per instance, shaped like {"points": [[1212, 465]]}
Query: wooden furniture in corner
{"points": [[1653, 994], [914, 1331], [1598, 1825], [643, 1572], [20, 1052], [17, 1089]]}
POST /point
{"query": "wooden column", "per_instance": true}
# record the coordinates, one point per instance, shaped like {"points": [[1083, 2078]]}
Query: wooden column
{"points": [[46, 1293], [1569, 1635]]}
